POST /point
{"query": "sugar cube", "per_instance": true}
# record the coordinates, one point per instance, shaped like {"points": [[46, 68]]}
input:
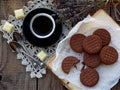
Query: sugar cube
{"points": [[19, 14], [42, 55], [8, 27]]}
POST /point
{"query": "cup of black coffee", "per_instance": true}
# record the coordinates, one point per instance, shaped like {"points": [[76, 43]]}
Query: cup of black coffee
{"points": [[42, 25]]}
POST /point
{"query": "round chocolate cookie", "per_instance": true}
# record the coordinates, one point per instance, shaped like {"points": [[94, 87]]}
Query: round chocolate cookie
{"points": [[92, 44], [108, 55], [104, 35], [76, 42], [91, 60], [68, 63], [89, 77]]}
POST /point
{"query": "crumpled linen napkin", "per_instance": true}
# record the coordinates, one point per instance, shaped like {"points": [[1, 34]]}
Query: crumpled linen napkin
{"points": [[109, 74]]}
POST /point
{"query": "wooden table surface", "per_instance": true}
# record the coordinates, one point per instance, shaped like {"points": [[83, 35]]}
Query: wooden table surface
{"points": [[12, 74]]}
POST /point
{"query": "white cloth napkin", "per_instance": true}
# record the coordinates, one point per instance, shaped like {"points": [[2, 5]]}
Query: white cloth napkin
{"points": [[109, 74]]}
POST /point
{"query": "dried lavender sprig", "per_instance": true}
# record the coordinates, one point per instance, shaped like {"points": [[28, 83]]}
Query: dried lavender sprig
{"points": [[66, 13], [79, 16], [74, 3]]}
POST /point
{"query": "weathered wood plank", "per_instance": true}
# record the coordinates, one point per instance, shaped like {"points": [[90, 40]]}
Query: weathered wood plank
{"points": [[12, 73], [50, 82], [116, 87]]}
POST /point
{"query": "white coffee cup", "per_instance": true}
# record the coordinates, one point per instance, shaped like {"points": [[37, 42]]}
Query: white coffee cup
{"points": [[39, 25]]}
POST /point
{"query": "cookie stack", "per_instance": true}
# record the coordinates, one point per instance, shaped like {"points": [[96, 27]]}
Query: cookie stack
{"points": [[96, 51]]}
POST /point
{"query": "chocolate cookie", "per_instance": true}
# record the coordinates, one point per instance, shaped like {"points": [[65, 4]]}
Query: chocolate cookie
{"points": [[91, 60], [68, 63], [108, 55], [76, 42], [92, 44], [89, 77], [104, 35]]}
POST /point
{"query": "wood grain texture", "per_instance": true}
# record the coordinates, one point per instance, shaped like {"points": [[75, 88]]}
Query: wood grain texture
{"points": [[12, 73], [112, 13]]}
